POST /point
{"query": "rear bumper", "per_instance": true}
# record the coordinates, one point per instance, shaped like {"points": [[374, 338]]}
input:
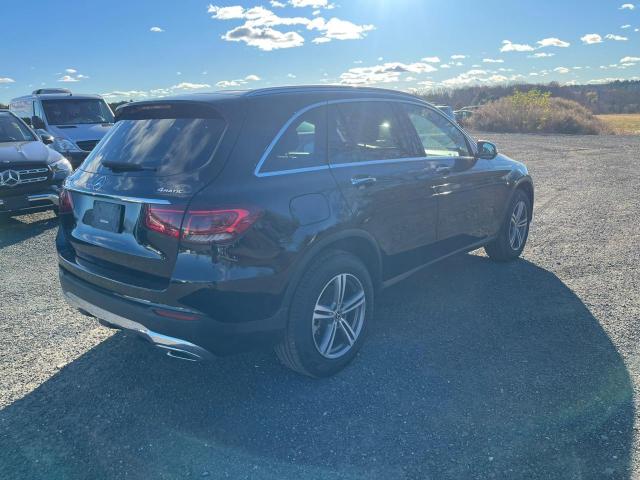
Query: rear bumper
{"points": [[174, 346], [200, 338]]}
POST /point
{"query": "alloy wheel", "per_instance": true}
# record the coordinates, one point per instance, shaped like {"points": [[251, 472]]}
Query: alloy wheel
{"points": [[339, 316], [518, 225]]}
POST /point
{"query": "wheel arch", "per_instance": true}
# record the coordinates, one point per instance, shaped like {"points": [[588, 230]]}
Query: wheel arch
{"points": [[356, 242], [525, 184]]}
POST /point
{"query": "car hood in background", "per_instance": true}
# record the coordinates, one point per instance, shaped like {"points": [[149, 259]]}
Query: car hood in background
{"points": [[93, 131], [27, 152]]}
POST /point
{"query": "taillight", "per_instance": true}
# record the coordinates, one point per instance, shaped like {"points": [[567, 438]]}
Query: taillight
{"points": [[166, 221], [200, 226], [216, 226], [65, 202]]}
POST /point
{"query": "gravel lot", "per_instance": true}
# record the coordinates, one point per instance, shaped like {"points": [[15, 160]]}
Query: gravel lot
{"points": [[472, 370]]}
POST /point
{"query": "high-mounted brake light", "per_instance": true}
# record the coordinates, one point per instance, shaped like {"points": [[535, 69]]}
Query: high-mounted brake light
{"points": [[65, 202], [200, 226]]}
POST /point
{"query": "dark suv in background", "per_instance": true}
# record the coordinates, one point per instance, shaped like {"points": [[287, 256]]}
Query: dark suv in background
{"points": [[31, 174], [214, 223]]}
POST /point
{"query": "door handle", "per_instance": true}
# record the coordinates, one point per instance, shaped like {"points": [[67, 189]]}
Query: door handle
{"points": [[363, 181], [443, 169]]}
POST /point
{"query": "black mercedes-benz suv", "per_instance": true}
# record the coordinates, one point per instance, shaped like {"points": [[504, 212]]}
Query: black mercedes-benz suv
{"points": [[31, 174], [214, 223]]}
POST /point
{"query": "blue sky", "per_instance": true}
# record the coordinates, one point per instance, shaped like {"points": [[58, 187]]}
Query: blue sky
{"points": [[142, 48]]}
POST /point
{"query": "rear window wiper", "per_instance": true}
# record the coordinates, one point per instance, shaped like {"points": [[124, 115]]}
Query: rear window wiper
{"points": [[127, 167]]}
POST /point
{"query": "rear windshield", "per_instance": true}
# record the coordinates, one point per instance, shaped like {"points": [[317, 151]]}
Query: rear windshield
{"points": [[164, 146], [71, 111]]}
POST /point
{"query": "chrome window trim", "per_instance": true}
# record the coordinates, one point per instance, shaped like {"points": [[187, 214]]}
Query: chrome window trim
{"points": [[156, 201], [258, 173]]}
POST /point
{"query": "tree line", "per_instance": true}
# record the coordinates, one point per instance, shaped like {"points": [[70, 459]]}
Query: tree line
{"points": [[610, 98]]}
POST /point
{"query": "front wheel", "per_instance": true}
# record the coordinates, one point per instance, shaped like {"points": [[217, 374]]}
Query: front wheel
{"points": [[329, 315], [514, 232]]}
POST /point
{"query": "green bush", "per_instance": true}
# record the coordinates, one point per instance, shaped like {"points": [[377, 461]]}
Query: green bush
{"points": [[536, 112]]}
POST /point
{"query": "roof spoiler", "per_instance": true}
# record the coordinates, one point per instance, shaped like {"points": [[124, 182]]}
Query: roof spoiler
{"points": [[45, 91]]}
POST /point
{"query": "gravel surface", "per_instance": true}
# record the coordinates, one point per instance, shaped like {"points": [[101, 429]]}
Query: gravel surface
{"points": [[472, 369]]}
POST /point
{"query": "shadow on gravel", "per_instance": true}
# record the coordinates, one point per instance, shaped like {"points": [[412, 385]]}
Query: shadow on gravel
{"points": [[15, 230], [472, 370]]}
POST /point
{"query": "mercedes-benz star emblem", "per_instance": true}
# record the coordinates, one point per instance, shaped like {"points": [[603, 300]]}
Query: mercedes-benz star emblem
{"points": [[9, 178], [99, 183]]}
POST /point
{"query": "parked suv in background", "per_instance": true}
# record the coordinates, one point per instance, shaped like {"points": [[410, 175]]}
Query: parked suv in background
{"points": [[76, 122], [31, 174], [214, 223]]}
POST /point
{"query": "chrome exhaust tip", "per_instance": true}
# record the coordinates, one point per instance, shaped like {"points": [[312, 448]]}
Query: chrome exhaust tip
{"points": [[180, 354]]}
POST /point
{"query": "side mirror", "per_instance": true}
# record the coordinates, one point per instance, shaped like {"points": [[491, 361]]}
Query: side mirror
{"points": [[37, 123], [45, 136], [487, 150]]}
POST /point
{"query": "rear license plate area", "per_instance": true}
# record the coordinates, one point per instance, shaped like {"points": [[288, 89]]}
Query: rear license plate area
{"points": [[106, 216]]}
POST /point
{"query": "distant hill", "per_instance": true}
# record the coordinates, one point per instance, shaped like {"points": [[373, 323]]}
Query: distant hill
{"points": [[609, 98]]}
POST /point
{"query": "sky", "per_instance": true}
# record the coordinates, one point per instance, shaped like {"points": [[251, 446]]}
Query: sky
{"points": [[140, 49]]}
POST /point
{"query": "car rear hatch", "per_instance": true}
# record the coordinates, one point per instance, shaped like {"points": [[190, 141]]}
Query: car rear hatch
{"points": [[135, 186]]}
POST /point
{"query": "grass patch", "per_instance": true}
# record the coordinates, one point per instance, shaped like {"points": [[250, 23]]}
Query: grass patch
{"points": [[537, 112], [623, 124]]}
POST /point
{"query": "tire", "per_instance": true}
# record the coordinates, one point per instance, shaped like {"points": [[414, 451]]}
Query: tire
{"points": [[509, 244], [305, 347]]}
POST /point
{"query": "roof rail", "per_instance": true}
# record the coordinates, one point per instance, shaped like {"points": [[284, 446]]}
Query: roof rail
{"points": [[324, 88], [42, 91]]}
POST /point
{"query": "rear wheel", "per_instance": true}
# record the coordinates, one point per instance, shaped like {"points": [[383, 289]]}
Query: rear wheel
{"points": [[329, 315], [514, 232]]}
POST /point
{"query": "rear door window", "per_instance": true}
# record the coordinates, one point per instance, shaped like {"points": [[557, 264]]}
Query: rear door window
{"points": [[164, 141], [368, 131], [302, 145]]}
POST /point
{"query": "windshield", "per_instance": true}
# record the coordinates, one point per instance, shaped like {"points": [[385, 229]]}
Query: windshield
{"points": [[77, 111], [163, 145], [12, 130]]}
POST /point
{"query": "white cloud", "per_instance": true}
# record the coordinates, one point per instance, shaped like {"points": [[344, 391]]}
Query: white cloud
{"points": [[6, 80], [431, 59], [277, 4], [492, 60], [71, 70], [630, 60], [259, 28], [611, 80], [156, 29], [226, 13], [67, 79], [509, 46], [624, 27], [477, 77], [591, 38], [126, 94], [266, 39], [238, 82], [561, 70], [627, 6], [617, 38], [542, 55], [311, 4], [553, 42], [385, 73], [291, 75], [190, 86], [336, 29], [458, 57]]}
